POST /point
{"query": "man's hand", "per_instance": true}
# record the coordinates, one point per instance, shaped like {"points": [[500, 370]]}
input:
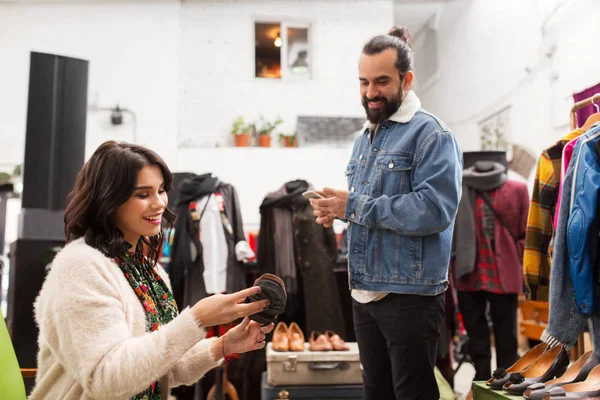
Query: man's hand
{"points": [[333, 206]]}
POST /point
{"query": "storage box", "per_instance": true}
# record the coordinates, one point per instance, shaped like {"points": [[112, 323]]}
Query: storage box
{"points": [[332, 392], [314, 367]]}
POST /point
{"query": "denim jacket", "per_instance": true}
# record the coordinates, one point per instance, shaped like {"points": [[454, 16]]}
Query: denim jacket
{"points": [[582, 226], [404, 192]]}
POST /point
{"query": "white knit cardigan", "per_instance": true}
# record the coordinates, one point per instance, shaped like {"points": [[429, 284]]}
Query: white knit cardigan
{"points": [[93, 343]]}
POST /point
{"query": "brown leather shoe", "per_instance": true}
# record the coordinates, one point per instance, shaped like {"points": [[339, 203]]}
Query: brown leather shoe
{"points": [[296, 337], [319, 342], [281, 341], [336, 341]]}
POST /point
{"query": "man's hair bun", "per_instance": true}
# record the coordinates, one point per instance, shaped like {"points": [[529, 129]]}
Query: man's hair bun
{"points": [[402, 33]]}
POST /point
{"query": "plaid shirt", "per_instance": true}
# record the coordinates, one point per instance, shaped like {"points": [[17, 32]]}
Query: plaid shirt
{"points": [[540, 228], [485, 276]]}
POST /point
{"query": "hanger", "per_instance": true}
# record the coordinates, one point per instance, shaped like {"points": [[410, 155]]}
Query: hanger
{"points": [[592, 119]]}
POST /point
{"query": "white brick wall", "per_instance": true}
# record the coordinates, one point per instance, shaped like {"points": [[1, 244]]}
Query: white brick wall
{"points": [[217, 63], [217, 83], [187, 70], [132, 49]]}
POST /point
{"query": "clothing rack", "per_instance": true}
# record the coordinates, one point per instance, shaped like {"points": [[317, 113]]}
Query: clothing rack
{"points": [[595, 99], [535, 313]]}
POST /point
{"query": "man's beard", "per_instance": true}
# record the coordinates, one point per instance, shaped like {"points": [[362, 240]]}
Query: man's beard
{"points": [[389, 108]]}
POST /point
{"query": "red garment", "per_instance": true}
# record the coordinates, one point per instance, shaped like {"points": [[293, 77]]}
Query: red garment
{"points": [[511, 202], [485, 276]]}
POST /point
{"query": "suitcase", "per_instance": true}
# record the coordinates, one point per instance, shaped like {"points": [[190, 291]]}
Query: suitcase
{"points": [[314, 367], [333, 392]]}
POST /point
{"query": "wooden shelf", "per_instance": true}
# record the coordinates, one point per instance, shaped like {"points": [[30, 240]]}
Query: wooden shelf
{"points": [[535, 318]]}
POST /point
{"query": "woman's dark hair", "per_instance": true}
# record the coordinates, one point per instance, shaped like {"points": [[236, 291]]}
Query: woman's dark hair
{"points": [[399, 39], [106, 181]]}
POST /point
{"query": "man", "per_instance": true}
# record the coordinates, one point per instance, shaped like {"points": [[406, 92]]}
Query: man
{"points": [[404, 178]]}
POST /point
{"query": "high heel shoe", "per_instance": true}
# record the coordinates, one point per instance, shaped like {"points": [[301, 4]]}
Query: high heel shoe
{"points": [[552, 363], [501, 376], [590, 387], [577, 372]]}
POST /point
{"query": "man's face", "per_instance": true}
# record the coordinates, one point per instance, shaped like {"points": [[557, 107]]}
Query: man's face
{"points": [[380, 85]]}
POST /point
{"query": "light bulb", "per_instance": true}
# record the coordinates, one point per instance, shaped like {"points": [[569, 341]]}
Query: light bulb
{"points": [[277, 42]]}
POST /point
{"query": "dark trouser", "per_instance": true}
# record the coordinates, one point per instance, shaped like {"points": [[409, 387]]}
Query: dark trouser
{"points": [[397, 338], [503, 311]]}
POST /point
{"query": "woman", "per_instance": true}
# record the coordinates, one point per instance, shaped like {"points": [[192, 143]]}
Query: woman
{"points": [[109, 326]]}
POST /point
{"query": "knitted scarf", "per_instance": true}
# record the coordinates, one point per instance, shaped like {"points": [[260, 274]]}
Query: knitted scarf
{"points": [[464, 229]]}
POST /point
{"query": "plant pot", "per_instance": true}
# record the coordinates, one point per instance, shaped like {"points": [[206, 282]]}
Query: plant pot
{"points": [[290, 141], [264, 141], [241, 140]]}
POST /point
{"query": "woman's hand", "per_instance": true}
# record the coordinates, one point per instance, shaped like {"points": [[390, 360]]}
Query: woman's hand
{"points": [[244, 337], [224, 308]]}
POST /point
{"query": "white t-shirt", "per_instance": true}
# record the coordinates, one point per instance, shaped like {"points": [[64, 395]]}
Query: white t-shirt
{"points": [[214, 246], [365, 296]]}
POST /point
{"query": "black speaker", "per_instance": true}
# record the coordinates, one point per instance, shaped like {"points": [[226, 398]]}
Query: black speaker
{"points": [[56, 125], [28, 261]]}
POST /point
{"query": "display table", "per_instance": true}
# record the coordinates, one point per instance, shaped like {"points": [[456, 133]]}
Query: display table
{"points": [[482, 392]]}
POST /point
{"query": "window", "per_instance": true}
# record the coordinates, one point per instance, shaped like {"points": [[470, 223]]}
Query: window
{"points": [[281, 50]]}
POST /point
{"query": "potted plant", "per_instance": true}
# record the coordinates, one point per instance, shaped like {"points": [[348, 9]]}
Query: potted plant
{"points": [[239, 130], [289, 140], [264, 130]]}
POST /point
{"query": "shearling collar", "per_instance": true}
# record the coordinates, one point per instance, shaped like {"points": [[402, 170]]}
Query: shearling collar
{"points": [[409, 107]]}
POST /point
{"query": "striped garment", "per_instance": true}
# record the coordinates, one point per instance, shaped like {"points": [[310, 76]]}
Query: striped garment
{"points": [[540, 228]]}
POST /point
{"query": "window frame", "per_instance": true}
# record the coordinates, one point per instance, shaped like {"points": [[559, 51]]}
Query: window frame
{"points": [[284, 24]]}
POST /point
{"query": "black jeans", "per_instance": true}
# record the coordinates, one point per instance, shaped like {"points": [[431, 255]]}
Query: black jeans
{"points": [[503, 312], [398, 338]]}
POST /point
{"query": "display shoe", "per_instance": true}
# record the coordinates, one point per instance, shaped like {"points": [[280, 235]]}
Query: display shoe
{"points": [[577, 372], [590, 387], [336, 341], [296, 337], [552, 363], [319, 342], [501, 375], [273, 289], [281, 340]]}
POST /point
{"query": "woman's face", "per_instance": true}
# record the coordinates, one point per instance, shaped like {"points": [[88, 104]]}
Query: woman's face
{"points": [[141, 215]]}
